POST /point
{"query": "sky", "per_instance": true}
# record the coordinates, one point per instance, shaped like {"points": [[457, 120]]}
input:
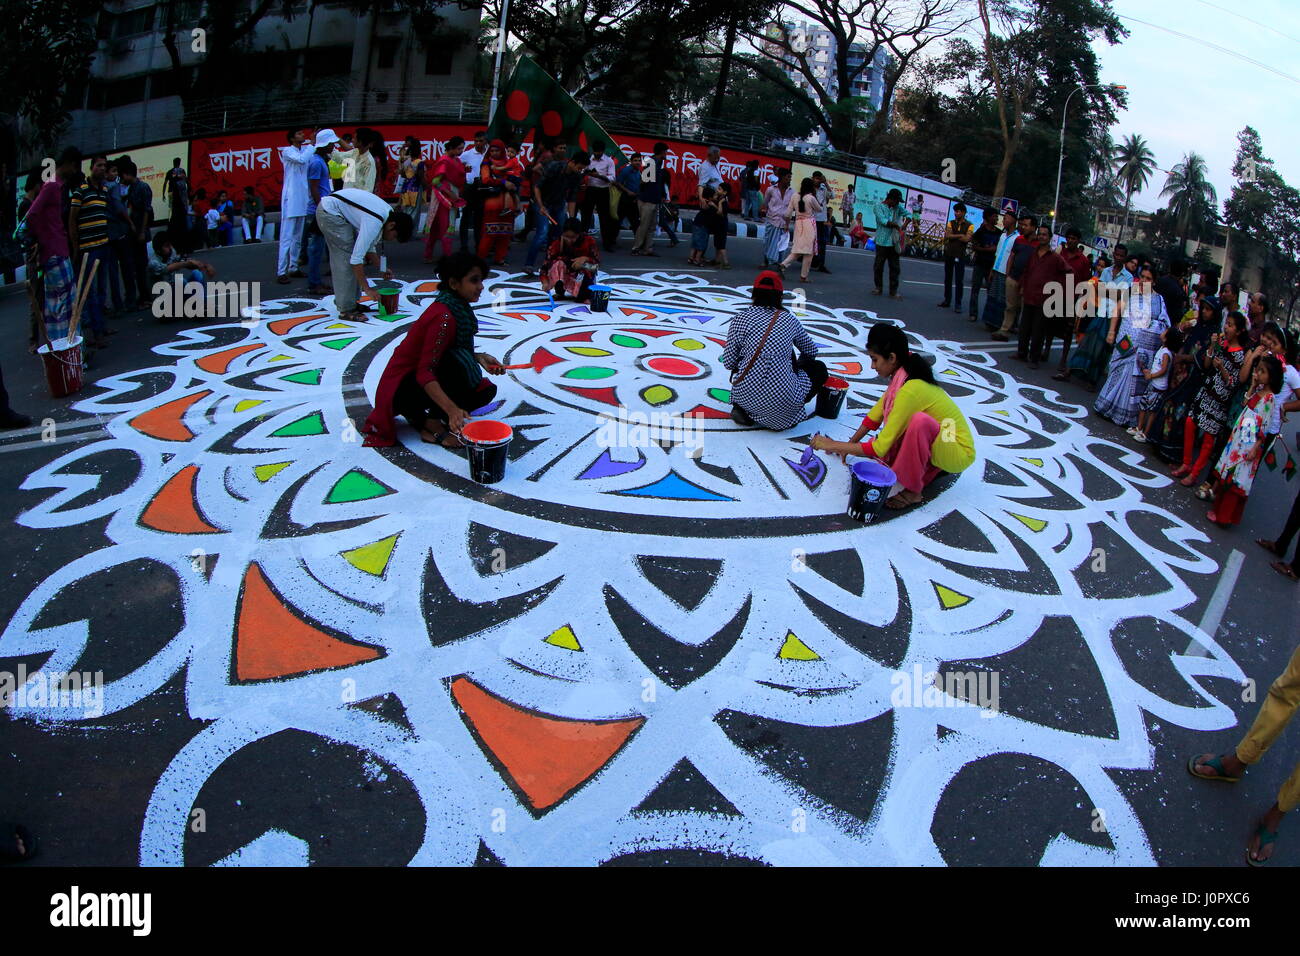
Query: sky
{"points": [[1184, 96]]}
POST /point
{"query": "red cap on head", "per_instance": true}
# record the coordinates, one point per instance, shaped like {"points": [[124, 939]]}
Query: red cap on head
{"points": [[769, 280]]}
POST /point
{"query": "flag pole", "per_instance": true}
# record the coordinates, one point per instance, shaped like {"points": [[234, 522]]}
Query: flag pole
{"points": [[496, 68]]}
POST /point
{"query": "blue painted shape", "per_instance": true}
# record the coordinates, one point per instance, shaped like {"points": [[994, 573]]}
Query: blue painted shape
{"points": [[606, 467], [674, 486], [486, 409]]}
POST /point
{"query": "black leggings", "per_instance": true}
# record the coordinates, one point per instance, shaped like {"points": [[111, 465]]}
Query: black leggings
{"points": [[817, 372], [1288, 532], [414, 404]]}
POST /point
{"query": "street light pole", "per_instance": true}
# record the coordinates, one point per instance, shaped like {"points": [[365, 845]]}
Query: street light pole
{"points": [[1060, 162], [496, 67]]}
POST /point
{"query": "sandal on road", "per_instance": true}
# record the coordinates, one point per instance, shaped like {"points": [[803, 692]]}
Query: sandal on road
{"points": [[1269, 546], [445, 439], [1264, 837], [1215, 763], [1284, 569]]}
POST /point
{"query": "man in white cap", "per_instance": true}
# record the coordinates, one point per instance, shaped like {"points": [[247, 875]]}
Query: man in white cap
{"points": [[319, 185], [293, 203]]}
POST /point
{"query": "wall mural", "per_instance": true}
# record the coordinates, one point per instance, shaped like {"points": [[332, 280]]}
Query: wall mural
{"points": [[668, 647]]}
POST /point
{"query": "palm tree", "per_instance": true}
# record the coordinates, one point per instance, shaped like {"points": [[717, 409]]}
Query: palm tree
{"points": [[1192, 198], [1136, 164]]}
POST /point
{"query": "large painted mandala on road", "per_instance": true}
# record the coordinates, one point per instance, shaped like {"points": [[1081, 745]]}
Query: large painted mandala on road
{"points": [[673, 648]]}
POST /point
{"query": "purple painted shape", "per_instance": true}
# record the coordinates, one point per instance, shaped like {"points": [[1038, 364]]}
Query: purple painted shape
{"points": [[697, 317], [486, 409], [605, 467], [810, 469]]}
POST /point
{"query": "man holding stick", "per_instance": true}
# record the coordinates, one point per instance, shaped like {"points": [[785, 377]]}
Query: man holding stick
{"points": [[88, 234]]}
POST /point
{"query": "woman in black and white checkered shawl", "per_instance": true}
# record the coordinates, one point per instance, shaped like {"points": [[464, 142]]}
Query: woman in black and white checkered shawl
{"points": [[772, 387]]}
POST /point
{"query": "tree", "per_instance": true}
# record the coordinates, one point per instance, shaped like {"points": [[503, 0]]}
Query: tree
{"points": [[753, 101], [1265, 210], [1134, 165], [48, 46], [1035, 55], [1192, 199], [862, 30]]}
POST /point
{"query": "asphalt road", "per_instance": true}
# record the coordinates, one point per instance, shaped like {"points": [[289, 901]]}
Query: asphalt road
{"points": [[85, 789]]}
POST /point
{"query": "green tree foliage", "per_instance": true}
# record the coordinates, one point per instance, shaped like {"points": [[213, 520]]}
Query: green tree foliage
{"points": [[1134, 164], [1192, 199], [1265, 210], [752, 101], [1004, 127], [47, 46]]}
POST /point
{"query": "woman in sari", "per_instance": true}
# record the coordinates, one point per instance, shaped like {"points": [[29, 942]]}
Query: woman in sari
{"points": [[445, 181], [1209, 411], [1235, 472], [408, 178], [571, 263], [1185, 380], [1135, 333], [435, 377], [498, 210], [909, 436]]}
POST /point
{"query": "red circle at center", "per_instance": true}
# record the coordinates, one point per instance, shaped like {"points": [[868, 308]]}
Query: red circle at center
{"points": [[518, 106], [672, 366]]}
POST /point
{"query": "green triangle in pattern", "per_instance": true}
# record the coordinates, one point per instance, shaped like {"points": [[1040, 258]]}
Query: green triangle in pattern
{"points": [[313, 424], [356, 486], [337, 344], [309, 377]]}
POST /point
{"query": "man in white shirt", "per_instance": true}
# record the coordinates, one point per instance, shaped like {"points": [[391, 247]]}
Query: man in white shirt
{"points": [[293, 203], [709, 172], [470, 213], [353, 221], [600, 174]]}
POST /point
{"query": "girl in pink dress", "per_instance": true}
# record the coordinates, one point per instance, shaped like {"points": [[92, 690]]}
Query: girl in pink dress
{"points": [[804, 211]]}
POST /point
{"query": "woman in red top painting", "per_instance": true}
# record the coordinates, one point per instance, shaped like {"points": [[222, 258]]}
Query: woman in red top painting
{"points": [[571, 262], [435, 376], [498, 208]]}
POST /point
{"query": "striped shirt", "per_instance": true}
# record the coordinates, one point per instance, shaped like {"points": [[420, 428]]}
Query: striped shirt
{"points": [[90, 206]]}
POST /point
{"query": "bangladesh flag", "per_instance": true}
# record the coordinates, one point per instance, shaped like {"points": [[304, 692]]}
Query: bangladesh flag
{"points": [[1271, 460], [1289, 468], [533, 103]]}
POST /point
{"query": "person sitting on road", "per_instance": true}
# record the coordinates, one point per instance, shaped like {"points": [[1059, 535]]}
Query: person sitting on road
{"points": [[769, 385], [434, 378], [571, 263], [920, 432]]}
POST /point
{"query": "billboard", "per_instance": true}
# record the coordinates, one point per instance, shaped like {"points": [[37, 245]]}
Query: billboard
{"points": [[152, 163], [838, 180]]}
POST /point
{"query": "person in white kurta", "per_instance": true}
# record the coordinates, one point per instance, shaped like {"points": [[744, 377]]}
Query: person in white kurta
{"points": [[293, 202]]}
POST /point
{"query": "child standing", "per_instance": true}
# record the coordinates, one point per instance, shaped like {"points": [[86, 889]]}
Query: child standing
{"points": [[1157, 376], [1235, 472], [512, 171], [703, 226], [721, 222]]}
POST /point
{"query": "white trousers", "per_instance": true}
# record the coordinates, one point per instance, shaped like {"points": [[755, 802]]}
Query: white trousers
{"points": [[290, 243], [255, 233]]}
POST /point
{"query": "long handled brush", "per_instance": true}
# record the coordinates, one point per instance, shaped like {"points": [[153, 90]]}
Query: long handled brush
{"points": [[82, 294]]}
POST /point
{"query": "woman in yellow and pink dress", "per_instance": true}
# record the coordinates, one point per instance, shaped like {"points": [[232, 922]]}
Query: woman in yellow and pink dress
{"points": [[920, 431]]}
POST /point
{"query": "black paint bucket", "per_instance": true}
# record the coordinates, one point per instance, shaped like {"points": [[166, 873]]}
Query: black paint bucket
{"points": [[830, 397], [869, 485], [599, 301], [486, 444]]}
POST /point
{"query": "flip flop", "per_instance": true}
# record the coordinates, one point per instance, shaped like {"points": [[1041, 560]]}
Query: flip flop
{"points": [[1265, 837], [441, 440], [1269, 546], [1284, 569], [1215, 764], [1060, 377]]}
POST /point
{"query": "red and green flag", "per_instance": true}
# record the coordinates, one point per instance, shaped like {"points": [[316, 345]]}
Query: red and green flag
{"points": [[534, 104], [1271, 459], [1289, 468]]}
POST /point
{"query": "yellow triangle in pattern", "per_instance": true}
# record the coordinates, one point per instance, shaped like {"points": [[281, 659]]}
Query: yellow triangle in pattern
{"points": [[1033, 524], [1001, 411], [279, 358], [267, 472], [248, 403], [339, 325], [563, 637], [949, 371], [1034, 461], [372, 558], [796, 650], [949, 598]]}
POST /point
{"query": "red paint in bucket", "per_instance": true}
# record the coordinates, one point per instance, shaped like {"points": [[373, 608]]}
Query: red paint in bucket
{"points": [[830, 397], [63, 367], [487, 443]]}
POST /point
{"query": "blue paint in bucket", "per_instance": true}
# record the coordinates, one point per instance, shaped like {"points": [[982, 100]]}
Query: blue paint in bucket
{"points": [[599, 298], [869, 486]]}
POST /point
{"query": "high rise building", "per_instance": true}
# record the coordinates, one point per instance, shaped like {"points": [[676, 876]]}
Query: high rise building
{"points": [[821, 46]]}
